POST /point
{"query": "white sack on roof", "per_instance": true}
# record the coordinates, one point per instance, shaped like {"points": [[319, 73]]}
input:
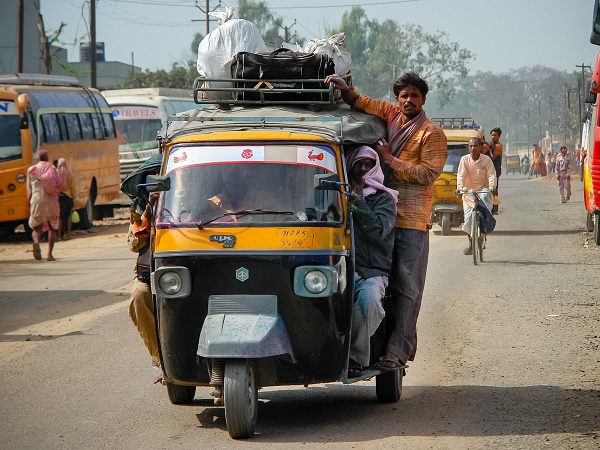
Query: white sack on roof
{"points": [[335, 47], [218, 48]]}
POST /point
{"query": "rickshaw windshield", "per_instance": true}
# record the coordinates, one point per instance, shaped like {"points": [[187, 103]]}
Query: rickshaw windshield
{"points": [[248, 185], [455, 152]]}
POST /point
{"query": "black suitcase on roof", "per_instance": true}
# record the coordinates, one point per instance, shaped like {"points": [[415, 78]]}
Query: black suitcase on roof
{"points": [[281, 69]]}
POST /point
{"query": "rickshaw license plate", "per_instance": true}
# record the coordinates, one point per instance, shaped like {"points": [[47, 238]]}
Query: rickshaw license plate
{"points": [[295, 238]]}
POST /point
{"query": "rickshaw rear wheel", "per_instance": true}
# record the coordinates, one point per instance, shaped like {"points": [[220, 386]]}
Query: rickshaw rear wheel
{"points": [[241, 398], [388, 386], [179, 394], [445, 224]]}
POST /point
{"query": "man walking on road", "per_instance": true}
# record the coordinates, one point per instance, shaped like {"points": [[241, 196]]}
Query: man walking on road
{"points": [[413, 159], [563, 174]]}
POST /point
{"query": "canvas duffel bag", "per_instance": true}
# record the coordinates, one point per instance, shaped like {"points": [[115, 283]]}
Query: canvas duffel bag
{"points": [[282, 64]]}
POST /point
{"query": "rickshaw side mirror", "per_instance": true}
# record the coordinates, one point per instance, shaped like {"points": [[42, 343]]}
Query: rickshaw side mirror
{"points": [[328, 182], [157, 183]]}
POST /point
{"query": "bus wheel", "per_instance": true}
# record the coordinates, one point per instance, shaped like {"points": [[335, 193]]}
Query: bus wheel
{"points": [[596, 229], [589, 222], [86, 215]]}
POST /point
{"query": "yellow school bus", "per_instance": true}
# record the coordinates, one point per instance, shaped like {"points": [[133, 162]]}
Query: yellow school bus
{"points": [[71, 122]]}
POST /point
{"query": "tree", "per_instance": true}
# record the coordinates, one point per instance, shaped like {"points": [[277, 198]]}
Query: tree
{"points": [[526, 103], [178, 77], [269, 24], [47, 40], [381, 52]]}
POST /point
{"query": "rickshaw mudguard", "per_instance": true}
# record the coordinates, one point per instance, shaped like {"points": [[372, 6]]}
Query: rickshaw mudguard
{"points": [[244, 336], [447, 207]]}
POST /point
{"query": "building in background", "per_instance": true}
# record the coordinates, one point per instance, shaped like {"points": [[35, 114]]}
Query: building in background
{"points": [[9, 27], [108, 73]]}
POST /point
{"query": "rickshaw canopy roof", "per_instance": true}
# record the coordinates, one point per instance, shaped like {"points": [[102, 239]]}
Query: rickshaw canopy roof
{"points": [[338, 123]]}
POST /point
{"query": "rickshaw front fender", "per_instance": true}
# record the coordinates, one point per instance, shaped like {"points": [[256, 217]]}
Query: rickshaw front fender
{"points": [[447, 207], [244, 336]]}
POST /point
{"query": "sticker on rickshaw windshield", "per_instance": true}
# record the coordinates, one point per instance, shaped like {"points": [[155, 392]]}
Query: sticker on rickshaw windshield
{"points": [[306, 155]]}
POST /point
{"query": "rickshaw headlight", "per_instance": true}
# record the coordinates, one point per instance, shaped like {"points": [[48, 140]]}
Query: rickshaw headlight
{"points": [[315, 281], [171, 282]]}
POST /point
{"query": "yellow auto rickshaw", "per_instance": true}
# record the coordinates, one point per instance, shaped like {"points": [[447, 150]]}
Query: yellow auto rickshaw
{"points": [[446, 210], [253, 265], [513, 164]]}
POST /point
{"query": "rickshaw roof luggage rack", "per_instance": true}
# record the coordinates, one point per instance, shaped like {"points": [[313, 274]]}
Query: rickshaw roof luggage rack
{"points": [[462, 123], [328, 96], [337, 123]]}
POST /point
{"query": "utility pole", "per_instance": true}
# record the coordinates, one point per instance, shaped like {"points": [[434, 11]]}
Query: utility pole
{"points": [[540, 119], [20, 39], [550, 125], [92, 47], [528, 144], [286, 37], [206, 11]]}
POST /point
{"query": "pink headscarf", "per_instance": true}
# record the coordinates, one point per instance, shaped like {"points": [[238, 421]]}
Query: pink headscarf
{"points": [[64, 174], [374, 177]]}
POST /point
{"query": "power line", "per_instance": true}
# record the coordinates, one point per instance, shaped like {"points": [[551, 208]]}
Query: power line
{"points": [[345, 6]]}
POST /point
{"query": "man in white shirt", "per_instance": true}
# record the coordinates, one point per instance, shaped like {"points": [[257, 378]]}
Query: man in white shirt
{"points": [[475, 172]]}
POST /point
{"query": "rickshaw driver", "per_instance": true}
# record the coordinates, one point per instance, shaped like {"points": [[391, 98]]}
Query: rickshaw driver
{"points": [[415, 156], [476, 171], [373, 208]]}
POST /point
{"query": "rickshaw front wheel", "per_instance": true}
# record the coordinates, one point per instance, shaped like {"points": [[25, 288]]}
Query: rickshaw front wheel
{"points": [[180, 395], [388, 386], [446, 224], [241, 398]]}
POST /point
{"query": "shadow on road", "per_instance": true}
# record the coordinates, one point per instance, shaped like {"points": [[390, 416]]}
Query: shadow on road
{"points": [[335, 413]]}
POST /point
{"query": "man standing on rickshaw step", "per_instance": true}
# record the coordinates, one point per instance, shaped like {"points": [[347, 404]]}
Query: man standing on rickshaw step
{"points": [[373, 208], [412, 161], [476, 171]]}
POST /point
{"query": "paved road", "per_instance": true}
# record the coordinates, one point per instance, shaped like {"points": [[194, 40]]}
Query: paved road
{"points": [[508, 352]]}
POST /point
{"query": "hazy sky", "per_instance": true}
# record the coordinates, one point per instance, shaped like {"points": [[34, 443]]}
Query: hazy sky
{"points": [[503, 34]]}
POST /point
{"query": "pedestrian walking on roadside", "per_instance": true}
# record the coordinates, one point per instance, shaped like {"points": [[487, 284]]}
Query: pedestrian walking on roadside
{"points": [[563, 174], [43, 203], [496, 149], [553, 163], [65, 199], [549, 161]]}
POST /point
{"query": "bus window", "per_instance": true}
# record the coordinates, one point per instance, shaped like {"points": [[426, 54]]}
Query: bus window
{"points": [[138, 131], [87, 128], [72, 127], [176, 106], [33, 128], [108, 126], [10, 137], [98, 133], [51, 130]]}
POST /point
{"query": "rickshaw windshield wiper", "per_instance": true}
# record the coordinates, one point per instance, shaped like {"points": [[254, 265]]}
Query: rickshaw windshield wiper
{"points": [[244, 212]]}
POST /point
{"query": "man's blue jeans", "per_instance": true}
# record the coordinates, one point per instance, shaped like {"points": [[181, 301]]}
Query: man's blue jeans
{"points": [[367, 314], [409, 267]]}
